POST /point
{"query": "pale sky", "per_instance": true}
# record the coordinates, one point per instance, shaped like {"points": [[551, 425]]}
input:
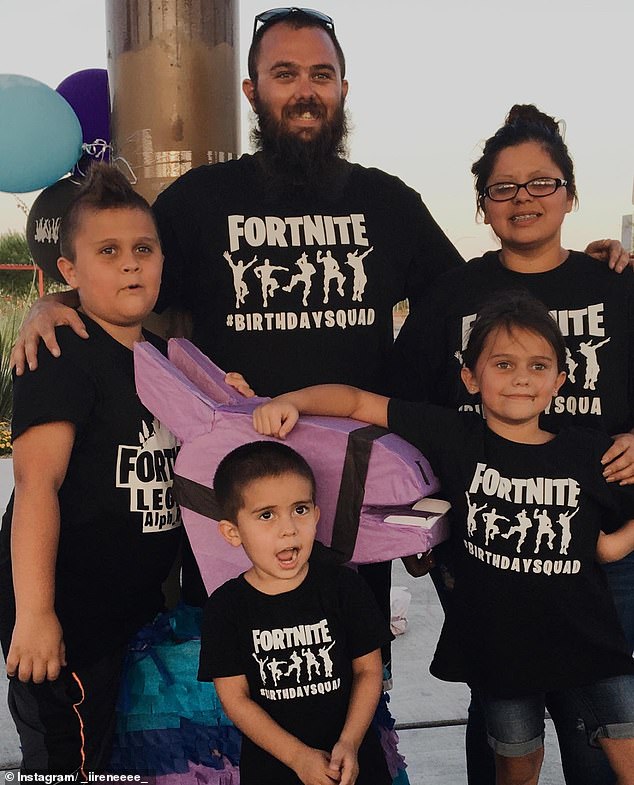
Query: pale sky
{"points": [[426, 89]]}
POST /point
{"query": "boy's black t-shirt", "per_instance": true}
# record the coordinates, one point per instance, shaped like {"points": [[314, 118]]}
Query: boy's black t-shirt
{"points": [[530, 609], [593, 306], [296, 651], [119, 525]]}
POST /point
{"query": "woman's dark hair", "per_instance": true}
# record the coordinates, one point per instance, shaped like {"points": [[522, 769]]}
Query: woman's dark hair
{"points": [[255, 461], [105, 188], [297, 20], [524, 123], [514, 310]]}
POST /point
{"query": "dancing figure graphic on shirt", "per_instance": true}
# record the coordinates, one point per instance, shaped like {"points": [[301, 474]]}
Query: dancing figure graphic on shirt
{"points": [[589, 351], [305, 276], [265, 273], [492, 529], [360, 278], [545, 529], [238, 269], [332, 272], [524, 523], [566, 535], [472, 524]]}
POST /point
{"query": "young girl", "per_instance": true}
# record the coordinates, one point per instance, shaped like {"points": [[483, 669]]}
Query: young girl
{"points": [[525, 186], [530, 614]]}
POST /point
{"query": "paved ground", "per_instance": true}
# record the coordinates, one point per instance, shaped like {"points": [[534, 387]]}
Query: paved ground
{"points": [[435, 756]]}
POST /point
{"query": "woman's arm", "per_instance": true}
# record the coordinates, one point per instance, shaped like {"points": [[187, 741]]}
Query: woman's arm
{"points": [[278, 417], [40, 460]]}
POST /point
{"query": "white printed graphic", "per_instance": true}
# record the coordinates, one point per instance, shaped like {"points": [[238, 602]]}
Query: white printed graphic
{"points": [[524, 523], [274, 667], [542, 500], [269, 284], [360, 278], [297, 662], [332, 272], [571, 365], [261, 663], [323, 653], [47, 230], [471, 515], [147, 470], [491, 528], [589, 351], [269, 291], [296, 665], [238, 270], [566, 535], [305, 277], [545, 529]]}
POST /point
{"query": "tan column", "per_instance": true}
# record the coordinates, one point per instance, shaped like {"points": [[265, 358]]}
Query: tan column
{"points": [[174, 79]]}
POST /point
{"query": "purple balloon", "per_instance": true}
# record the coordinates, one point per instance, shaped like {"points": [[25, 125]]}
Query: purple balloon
{"points": [[87, 92]]}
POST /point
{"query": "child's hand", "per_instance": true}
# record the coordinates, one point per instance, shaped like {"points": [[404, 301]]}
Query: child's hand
{"points": [[344, 763], [37, 648], [420, 564], [239, 383], [313, 768], [276, 418]]}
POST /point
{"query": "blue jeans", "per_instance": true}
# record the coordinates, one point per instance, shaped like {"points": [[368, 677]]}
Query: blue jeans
{"points": [[582, 764], [515, 726], [620, 575]]}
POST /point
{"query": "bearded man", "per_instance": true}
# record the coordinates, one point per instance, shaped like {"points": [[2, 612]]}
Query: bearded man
{"points": [[296, 196]]}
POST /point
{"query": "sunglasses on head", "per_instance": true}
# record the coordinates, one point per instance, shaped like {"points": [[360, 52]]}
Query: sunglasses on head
{"points": [[278, 14]]}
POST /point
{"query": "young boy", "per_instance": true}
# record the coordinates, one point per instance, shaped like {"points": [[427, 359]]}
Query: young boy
{"points": [[293, 647], [92, 529]]}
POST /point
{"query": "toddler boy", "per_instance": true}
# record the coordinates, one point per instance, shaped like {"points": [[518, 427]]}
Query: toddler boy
{"points": [[293, 646]]}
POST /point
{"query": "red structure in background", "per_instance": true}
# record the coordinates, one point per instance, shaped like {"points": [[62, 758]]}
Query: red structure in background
{"points": [[40, 274]]}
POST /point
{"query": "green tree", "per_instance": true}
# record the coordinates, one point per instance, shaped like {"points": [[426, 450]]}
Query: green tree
{"points": [[15, 250]]}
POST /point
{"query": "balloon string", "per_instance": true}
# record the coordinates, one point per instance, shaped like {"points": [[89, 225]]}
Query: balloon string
{"points": [[97, 149], [130, 171]]}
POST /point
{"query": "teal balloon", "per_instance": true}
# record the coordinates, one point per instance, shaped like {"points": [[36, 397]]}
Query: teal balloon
{"points": [[40, 135]]}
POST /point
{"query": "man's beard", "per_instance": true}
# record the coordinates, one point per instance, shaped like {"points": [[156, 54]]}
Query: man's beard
{"points": [[298, 160]]}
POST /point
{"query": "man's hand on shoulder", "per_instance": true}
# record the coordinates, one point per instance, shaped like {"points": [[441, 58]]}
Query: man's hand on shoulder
{"points": [[44, 316]]}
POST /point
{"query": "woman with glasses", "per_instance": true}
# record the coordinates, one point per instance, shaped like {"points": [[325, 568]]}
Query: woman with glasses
{"points": [[525, 187]]}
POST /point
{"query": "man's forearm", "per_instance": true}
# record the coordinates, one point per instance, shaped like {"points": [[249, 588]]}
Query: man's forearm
{"points": [[70, 298]]}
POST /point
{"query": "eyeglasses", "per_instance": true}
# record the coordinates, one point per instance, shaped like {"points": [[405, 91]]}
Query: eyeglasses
{"points": [[277, 14], [540, 186]]}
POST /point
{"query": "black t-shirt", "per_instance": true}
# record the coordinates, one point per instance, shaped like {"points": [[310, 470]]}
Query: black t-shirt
{"points": [[119, 525], [593, 306], [296, 651], [530, 611], [296, 287]]}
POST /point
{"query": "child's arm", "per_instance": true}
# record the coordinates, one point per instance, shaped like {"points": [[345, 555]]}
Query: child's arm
{"points": [[278, 417], [615, 546], [40, 460], [367, 683], [310, 765]]}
